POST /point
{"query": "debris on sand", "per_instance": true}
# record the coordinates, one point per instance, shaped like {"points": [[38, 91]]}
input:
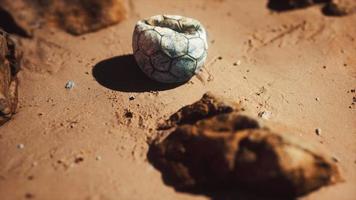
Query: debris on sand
{"points": [[232, 151], [76, 17], [265, 115], [20, 146], [69, 85], [10, 61], [318, 131]]}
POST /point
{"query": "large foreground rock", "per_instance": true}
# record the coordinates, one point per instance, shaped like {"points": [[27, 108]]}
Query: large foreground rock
{"points": [[74, 16], [9, 66], [233, 151]]}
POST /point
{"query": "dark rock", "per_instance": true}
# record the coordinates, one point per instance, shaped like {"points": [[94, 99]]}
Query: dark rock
{"points": [[233, 152], [209, 105], [284, 5], [340, 8]]}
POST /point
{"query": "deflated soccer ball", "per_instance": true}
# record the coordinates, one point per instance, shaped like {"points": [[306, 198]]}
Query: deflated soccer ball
{"points": [[169, 48]]}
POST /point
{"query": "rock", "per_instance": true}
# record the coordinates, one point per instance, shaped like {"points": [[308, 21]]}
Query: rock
{"points": [[74, 16], [265, 115], [284, 5], [69, 85], [9, 65], [209, 105], [340, 8], [231, 151], [318, 131]]}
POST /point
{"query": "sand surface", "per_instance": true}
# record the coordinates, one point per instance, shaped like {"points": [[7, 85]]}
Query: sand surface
{"points": [[83, 144]]}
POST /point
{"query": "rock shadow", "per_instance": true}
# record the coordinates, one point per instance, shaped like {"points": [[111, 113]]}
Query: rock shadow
{"points": [[121, 73]]}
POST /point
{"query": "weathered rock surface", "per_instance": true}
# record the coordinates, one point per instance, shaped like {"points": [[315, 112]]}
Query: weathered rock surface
{"points": [[232, 151], [209, 105], [283, 5], [74, 16], [9, 66], [340, 8]]}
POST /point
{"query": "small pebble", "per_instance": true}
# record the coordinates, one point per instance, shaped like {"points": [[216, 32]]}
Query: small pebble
{"points": [[29, 196], [220, 58], [69, 85], [131, 98], [353, 90], [265, 114], [317, 99], [318, 131], [20, 146], [34, 164], [98, 158], [335, 159]]}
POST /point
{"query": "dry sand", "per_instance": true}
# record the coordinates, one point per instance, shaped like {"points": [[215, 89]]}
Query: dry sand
{"points": [[90, 142]]}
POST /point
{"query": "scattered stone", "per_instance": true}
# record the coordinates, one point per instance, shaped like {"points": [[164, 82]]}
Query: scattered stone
{"points": [[69, 85], [131, 98], [29, 195], [78, 159], [265, 115], [75, 17], [128, 114], [285, 5], [34, 164], [220, 58], [324, 67], [340, 8], [317, 99], [352, 90], [318, 131], [98, 158], [335, 159], [10, 62], [20, 146]]}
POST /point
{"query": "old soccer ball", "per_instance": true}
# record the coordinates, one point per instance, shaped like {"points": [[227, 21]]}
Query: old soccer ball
{"points": [[169, 48]]}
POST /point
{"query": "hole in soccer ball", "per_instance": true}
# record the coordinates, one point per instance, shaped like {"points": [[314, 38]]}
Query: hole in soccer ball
{"points": [[186, 28], [121, 73]]}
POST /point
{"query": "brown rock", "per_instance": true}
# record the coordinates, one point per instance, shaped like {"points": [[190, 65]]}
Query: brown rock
{"points": [[74, 16], [209, 105], [284, 5], [231, 151], [9, 66], [340, 8]]}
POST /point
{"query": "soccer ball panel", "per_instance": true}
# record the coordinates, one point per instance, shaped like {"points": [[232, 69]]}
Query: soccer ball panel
{"points": [[161, 61], [149, 42], [196, 47], [183, 67], [201, 61], [143, 62], [174, 45], [164, 77]]}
